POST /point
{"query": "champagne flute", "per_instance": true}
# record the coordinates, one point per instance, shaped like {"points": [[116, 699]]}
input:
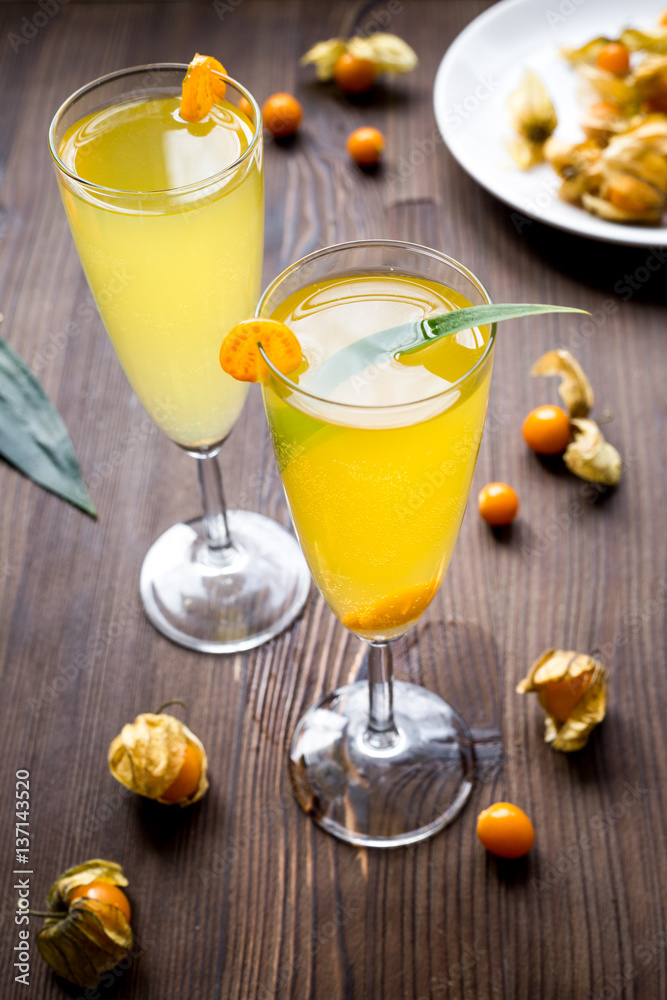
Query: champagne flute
{"points": [[167, 217], [377, 473]]}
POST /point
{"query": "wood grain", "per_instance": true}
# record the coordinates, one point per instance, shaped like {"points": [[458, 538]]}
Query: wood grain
{"points": [[242, 896]]}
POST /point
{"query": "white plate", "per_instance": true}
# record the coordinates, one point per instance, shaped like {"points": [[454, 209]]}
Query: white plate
{"points": [[485, 63]]}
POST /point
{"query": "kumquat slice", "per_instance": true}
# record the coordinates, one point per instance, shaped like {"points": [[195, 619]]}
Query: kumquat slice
{"points": [[239, 351], [201, 88]]}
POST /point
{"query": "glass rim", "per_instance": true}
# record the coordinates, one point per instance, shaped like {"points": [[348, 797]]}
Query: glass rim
{"points": [[358, 244], [127, 193]]}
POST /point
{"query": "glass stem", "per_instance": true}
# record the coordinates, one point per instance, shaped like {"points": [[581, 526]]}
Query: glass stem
{"points": [[381, 732], [213, 498]]}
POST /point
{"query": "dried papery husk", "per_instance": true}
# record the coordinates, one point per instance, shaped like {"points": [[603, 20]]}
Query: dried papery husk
{"points": [[605, 210], [389, 52], [650, 77], [148, 754], [575, 390], [531, 110], [632, 195], [323, 57], [83, 940], [578, 164], [573, 190], [620, 89], [633, 179], [586, 677], [651, 40], [569, 159], [580, 184], [638, 157], [590, 457], [651, 129], [586, 53], [604, 120], [526, 154]]}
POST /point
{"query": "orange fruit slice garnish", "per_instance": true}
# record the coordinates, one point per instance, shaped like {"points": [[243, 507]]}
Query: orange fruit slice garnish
{"points": [[239, 351], [392, 612], [201, 88]]}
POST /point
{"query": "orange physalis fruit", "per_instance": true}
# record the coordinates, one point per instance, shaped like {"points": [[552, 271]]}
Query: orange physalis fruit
{"points": [[186, 781], [392, 612], [547, 430], [246, 107], [282, 115], [559, 697], [239, 351], [498, 504], [201, 88], [365, 146], [354, 74], [505, 830], [103, 892], [614, 58]]}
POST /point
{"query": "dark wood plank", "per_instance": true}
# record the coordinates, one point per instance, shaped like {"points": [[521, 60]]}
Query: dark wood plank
{"points": [[242, 897]]}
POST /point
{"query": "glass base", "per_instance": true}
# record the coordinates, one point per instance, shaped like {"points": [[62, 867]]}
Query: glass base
{"points": [[230, 600], [386, 797]]}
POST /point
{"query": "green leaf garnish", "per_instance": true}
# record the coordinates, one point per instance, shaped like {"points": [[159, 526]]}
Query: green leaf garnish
{"points": [[411, 338], [33, 436], [436, 327]]}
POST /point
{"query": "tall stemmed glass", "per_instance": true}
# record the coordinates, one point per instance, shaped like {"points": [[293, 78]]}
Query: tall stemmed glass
{"points": [[377, 472], [167, 217]]}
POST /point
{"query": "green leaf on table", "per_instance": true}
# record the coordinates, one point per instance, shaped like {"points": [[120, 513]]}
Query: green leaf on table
{"points": [[33, 436], [411, 338]]}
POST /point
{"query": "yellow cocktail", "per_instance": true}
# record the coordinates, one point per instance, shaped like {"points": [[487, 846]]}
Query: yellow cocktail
{"points": [[168, 216], [170, 274], [377, 471], [377, 502]]}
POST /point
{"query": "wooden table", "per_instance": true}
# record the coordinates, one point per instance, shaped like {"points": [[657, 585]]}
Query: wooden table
{"points": [[242, 896]]}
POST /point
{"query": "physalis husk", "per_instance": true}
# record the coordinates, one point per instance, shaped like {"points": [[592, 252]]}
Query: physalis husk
{"points": [[588, 455], [148, 754], [86, 937], [572, 689]]}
